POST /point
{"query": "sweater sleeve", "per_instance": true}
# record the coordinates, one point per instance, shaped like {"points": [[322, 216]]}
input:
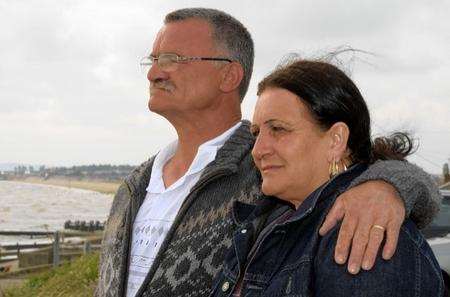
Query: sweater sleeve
{"points": [[416, 188]]}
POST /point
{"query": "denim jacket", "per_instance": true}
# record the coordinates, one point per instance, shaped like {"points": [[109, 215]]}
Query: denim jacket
{"points": [[290, 258]]}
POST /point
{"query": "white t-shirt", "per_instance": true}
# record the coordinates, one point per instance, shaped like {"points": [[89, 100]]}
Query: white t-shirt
{"points": [[161, 205]]}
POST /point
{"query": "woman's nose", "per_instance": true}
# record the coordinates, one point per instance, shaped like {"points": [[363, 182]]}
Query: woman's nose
{"points": [[262, 147]]}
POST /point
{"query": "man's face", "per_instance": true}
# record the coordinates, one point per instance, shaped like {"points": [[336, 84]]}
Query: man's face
{"points": [[194, 85]]}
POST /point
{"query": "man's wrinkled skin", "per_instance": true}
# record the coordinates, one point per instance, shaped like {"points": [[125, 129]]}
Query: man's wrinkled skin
{"points": [[360, 208]]}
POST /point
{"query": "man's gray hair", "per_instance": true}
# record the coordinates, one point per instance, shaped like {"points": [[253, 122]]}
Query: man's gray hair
{"points": [[228, 34]]}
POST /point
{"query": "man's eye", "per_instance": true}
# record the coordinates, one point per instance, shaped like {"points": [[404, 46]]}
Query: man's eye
{"points": [[172, 59], [277, 129]]}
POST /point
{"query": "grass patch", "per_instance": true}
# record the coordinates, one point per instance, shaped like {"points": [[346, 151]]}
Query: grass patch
{"points": [[76, 279]]}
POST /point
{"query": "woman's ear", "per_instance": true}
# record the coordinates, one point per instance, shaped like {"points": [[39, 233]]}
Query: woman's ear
{"points": [[232, 75], [338, 134]]}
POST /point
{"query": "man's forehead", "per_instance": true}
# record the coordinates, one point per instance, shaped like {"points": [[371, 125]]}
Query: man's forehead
{"points": [[183, 36]]}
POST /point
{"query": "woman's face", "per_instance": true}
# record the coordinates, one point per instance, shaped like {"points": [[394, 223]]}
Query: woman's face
{"points": [[291, 150]]}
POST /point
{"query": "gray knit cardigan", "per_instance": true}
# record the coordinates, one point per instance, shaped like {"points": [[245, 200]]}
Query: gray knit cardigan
{"points": [[195, 246]]}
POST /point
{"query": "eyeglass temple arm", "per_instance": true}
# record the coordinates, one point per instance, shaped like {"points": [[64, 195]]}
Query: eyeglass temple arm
{"points": [[216, 59]]}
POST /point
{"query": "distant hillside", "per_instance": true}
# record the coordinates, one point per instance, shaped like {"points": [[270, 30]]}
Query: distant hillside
{"points": [[11, 166], [104, 172]]}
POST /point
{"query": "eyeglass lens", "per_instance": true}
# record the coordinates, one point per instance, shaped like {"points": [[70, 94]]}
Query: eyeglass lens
{"points": [[165, 62]]}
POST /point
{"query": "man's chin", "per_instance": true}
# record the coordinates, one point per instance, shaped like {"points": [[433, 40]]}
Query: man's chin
{"points": [[157, 105], [152, 106]]}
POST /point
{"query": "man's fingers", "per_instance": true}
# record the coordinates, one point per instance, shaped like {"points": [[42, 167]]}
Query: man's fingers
{"points": [[334, 215], [362, 207], [344, 239], [392, 232], [359, 244], [375, 239]]}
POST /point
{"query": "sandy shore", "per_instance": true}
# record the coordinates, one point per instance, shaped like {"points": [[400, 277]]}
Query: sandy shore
{"points": [[98, 186]]}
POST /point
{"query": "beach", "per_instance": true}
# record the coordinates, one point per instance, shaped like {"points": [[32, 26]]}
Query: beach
{"points": [[38, 207]]}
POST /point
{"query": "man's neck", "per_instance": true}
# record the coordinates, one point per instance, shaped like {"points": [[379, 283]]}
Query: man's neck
{"points": [[190, 136]]}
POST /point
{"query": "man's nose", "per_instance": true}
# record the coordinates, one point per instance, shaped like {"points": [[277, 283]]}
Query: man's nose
{"points": [[155, 73]]}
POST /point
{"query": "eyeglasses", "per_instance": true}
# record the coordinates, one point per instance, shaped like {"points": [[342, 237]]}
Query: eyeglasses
{"points": [[169, 62]]}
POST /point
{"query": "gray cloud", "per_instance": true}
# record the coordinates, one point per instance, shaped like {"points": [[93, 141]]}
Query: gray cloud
{"points": [[71, 91]]}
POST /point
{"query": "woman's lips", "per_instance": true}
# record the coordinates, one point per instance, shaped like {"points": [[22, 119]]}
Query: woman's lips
{"points": [[269, 168]]}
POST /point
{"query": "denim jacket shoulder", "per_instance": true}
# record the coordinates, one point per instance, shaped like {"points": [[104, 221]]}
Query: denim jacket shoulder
{"points": [[293, 260], [413, 270]]}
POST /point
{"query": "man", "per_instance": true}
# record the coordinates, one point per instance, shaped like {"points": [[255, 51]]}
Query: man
{"points": [[171, 222]]}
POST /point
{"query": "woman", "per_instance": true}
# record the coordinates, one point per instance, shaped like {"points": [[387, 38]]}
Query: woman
{"points": [[311, 124]]}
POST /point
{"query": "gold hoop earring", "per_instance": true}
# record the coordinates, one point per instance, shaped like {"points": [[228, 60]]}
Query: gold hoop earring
{"points": [[337, 167], [333, 169]]}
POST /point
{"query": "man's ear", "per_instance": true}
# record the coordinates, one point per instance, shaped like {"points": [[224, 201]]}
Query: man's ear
{"points": [[338, 135], [232, 75]]}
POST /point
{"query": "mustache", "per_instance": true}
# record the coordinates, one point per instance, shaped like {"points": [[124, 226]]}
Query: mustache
{"points": [[165, 85]]}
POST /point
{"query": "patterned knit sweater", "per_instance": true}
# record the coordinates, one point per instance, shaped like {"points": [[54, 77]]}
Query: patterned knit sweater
{"points": [[195, 246]]}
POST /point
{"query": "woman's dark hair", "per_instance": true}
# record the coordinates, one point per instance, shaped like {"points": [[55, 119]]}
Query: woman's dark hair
{"points": [[332, 97]]}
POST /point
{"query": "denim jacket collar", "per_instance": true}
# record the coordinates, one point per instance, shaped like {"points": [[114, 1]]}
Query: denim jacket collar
{"points": [[243, 212]]}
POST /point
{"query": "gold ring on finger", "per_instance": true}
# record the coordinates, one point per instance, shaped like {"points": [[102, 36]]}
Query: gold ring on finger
{"points": [[379, 227]]}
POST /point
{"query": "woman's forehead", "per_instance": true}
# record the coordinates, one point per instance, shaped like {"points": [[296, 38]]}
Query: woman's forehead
{"points": [[276, 103]]}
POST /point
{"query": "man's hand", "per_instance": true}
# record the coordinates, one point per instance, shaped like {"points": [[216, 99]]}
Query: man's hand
{"points": [[366, 211]]}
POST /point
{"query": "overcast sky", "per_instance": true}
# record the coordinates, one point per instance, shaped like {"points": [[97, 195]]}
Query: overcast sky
{"points": [[71, 91]]}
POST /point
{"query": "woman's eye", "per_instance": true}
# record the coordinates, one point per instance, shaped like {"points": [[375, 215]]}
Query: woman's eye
{"points": [[254, 132]]}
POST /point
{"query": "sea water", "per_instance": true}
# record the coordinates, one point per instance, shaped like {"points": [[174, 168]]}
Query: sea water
{"points": [[33, 207]]}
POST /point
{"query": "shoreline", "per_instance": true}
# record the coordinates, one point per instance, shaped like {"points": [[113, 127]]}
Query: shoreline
{"points": [[104, 187]]}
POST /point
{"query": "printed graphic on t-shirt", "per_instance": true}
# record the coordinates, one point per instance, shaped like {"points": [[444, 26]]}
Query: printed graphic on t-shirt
{"points": [[147, 239]]}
